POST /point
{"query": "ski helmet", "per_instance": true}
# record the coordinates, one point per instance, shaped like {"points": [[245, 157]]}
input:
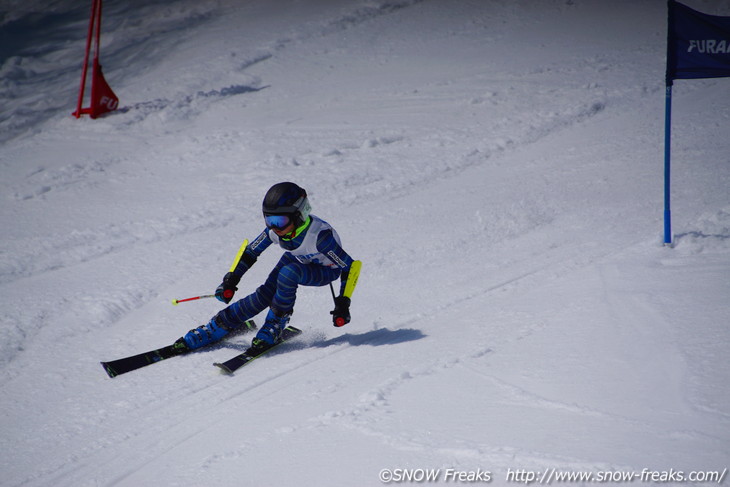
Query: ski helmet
{"points": [[284, 204]]}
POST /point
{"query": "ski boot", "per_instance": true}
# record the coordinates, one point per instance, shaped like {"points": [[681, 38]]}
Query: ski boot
{"points": [[270, 333], [205, 335]]}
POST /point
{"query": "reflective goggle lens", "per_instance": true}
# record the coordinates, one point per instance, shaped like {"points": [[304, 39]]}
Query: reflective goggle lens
{"points": [[278, 222]]}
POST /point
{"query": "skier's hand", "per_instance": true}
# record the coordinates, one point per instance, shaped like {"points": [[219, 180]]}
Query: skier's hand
{"points": [[341, 313], [228, 288]]}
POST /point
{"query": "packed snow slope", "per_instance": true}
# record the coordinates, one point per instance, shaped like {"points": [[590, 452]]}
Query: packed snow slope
{"points": [[497, 167]]}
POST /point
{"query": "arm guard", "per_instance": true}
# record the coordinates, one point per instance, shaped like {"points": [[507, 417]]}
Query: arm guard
{"points": [[351, 281]]}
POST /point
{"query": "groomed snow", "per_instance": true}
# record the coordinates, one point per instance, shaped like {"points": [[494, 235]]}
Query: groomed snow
{"points": [[497, 167]]}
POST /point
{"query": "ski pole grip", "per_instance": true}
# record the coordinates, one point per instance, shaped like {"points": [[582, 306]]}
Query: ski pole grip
{"points": [[228, 293], [340, 322]]}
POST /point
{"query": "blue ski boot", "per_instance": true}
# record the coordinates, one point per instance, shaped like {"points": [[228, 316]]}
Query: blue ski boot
{"points": [[269, 334], [205, 335]]}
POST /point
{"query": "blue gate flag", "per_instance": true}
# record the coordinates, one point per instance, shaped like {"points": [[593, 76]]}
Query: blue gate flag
{"points": [[698, 44]]}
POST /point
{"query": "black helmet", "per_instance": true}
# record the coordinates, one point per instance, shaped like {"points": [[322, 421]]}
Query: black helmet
{"points": [[285, 203]]}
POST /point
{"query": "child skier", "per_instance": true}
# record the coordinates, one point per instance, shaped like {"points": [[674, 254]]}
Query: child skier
{"points": [[313, 257]]}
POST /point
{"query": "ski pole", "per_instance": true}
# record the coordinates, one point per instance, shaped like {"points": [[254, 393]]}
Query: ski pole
{"points": [[178, 301], [340, 321], [349, 288]]}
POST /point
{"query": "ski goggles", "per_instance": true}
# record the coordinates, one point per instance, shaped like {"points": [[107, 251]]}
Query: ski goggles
{"points": [[278, 222]]}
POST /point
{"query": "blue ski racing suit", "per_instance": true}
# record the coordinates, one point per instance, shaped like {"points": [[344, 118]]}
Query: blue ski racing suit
{"points": [[313, 257]]}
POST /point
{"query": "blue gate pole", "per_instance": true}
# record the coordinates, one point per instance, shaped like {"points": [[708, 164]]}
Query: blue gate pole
{"points": [[667, 144]]}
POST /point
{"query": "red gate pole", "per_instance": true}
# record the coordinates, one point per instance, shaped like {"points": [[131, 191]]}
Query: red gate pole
{"points": [[98, 31], [92, 19], [103, 99]]}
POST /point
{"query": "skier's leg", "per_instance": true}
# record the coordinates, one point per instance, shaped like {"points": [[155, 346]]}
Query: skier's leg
{"points": [[290, 276], [231, 318]]}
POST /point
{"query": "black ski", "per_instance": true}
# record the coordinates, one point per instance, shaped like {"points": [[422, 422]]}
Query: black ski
{"points": [[230, 366], [128, 364]]}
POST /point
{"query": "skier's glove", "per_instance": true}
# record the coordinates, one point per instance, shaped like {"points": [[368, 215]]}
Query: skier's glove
{"points": [[228, 288], [341, 313]]}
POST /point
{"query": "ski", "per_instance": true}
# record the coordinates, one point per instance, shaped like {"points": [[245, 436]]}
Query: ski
{"points": [[128, 364], [134, 362], [230, 366]]}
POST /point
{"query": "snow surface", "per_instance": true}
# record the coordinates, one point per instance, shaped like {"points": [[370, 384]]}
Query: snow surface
{"points": [[496, 165]]}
